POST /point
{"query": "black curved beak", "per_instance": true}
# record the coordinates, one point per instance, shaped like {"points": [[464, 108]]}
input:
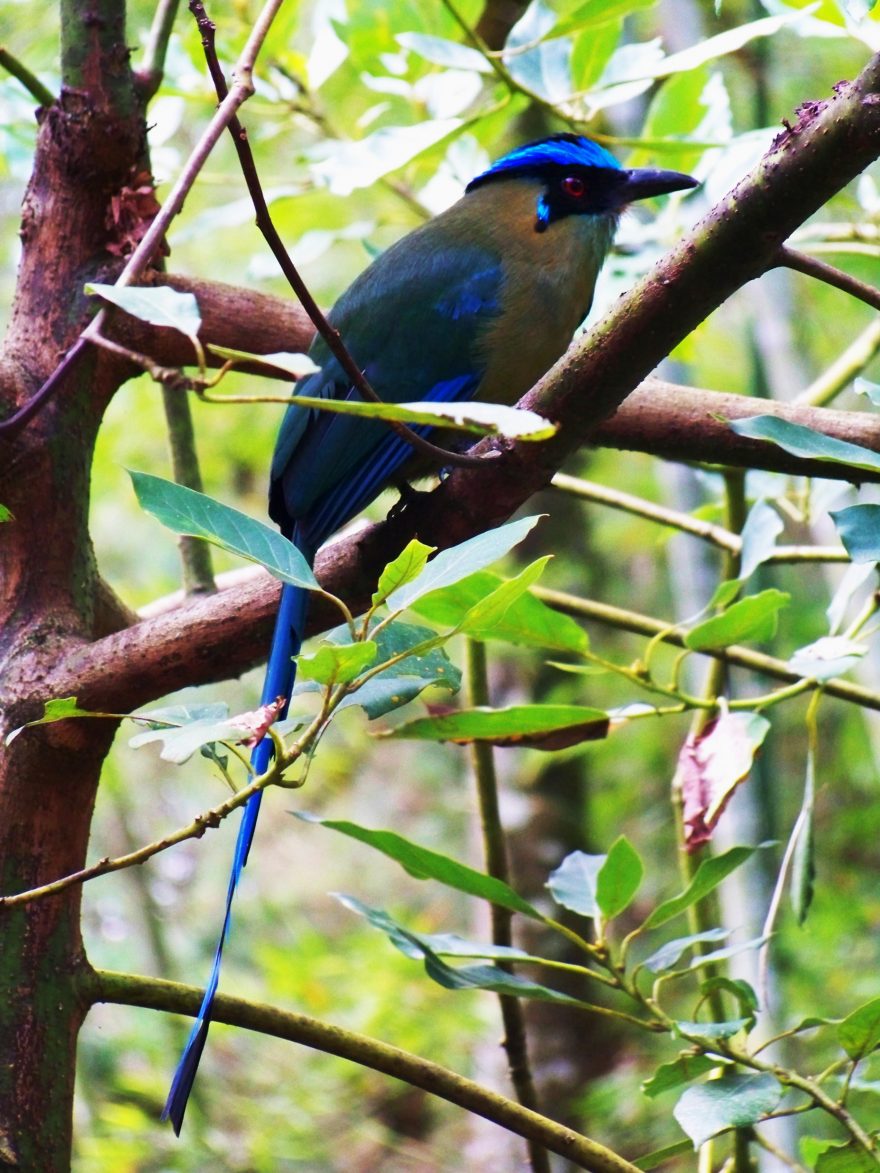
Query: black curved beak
{"points": [[642, 183]]}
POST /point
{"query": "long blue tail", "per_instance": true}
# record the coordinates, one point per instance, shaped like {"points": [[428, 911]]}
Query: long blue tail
{"points": [[280, 676]]}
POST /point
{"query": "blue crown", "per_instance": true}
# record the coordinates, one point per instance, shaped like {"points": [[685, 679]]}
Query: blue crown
{"points": [[554, 153]]}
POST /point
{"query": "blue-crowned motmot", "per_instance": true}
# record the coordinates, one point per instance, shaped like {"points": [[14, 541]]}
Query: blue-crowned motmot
{"points": [[476, 304]]}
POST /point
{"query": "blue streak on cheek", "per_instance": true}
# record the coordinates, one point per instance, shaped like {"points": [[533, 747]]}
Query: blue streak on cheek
{"points": [[542, 213]]}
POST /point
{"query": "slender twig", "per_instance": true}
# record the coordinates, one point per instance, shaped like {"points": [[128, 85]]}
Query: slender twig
{"points": [[195, 553], [813, 267], [440, 457], [149, 76], [716, 535], [29, 80], [154, 994], [152, 238], [741, 657], [207, 820], [844, 368], [495, 853]]}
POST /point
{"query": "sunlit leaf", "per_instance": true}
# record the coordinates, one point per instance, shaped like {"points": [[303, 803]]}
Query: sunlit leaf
{"points": [[832, 655], [408, 565], [345, 165], [439, 51], [450, 566], [337, 663], [159, 305], [491, 609], [526, 621], [481, 419], [296, 364]]}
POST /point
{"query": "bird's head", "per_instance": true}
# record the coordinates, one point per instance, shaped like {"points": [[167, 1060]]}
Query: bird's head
{"points": [[577, 177]]}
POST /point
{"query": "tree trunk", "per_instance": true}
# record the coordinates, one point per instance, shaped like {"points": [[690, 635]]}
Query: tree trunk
{"points": [[51, 598]]}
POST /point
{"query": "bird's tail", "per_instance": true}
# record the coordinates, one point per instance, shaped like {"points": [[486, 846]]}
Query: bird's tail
{"points": [[280, 677]]}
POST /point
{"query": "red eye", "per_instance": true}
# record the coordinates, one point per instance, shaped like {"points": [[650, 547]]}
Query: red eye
{"points": [[574, 187]]}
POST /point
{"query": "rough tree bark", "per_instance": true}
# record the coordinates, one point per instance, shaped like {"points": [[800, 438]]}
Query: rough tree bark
{"points": [[61, 631]]}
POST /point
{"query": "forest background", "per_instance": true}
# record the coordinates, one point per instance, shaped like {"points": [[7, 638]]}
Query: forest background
{"points": [[366, 119]]}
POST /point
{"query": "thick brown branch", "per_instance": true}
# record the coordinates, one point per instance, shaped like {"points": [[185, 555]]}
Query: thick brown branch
{"points": [[735, 243]]}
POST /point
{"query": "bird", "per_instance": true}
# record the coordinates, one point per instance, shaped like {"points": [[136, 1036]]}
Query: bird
{"points": [[477, 303]]}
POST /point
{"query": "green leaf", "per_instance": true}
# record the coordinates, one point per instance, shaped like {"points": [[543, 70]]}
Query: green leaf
{"points": [[728, 951], [294, 363], [685, 1069], [667, 955], [859, 1033], [710, 48], [54, 710], [741, 990], [710, 1032], [488, 977], [451, 566], [595, 12], [660, 1156], [752, 618], [338, 663], [544, 727], [186, 512], [408, 565], [415, 944], [806, 442], [619, 878], [733, 1101], [709, 875], [725, 592], [439, 51], [803, 869], [159, 305], [829, 656], [481, 419], [859, 529], [345, 165], [573, 883], [763, 526], [491, 609], [5, 514], [181, 742], [403, 681], [424, 864], [847, 1158], [526, 621]]}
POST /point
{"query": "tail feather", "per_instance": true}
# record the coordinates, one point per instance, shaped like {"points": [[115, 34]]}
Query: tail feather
{"points": [[280, 677]]}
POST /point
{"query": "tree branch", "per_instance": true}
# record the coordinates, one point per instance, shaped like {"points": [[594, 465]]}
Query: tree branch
{"points": [[830, 144], [154, 994]]}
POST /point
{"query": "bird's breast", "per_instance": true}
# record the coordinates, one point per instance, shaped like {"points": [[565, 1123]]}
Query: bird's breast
{"points": [[546, 293]]}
